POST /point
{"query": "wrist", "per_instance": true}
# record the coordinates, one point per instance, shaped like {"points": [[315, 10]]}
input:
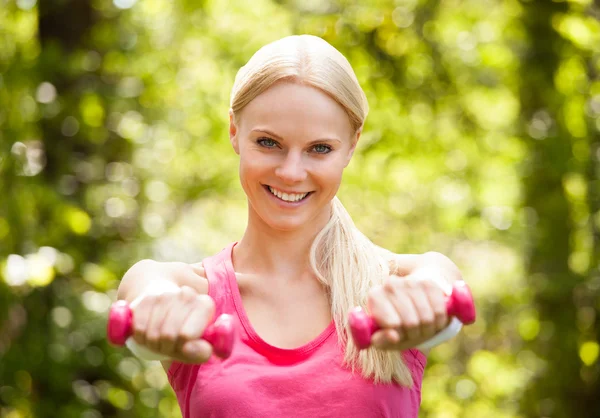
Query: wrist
{"points": [[156, 287], [435, 274]]}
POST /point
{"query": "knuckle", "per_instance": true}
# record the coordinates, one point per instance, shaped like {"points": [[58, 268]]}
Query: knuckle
{"points": [[418, 285], [415, 283], [139, 322], [429, 283], [169, 336], [149, 300], [390, 286], [428, 320], [440, 320], [188, 294], [186, 334], [164, 297], [152, 337], [410, 324], [206, 302], [439, 311], [139, 328]]}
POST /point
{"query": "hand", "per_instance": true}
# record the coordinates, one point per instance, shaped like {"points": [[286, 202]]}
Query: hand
{"points": [[172, 323], [410, 310]]}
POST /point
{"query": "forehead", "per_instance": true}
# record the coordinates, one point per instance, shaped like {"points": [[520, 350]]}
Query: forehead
{"points": [[290, 108]]}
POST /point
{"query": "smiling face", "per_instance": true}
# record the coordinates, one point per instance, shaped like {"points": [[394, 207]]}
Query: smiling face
{"points": [[294, 142]]}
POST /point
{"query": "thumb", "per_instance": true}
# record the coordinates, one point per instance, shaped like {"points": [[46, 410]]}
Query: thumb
{"points": [[197, 351]]}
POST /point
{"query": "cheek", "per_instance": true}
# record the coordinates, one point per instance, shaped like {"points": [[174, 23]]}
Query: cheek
{"points": [[332, 174], [247, 160], [251, 167]]}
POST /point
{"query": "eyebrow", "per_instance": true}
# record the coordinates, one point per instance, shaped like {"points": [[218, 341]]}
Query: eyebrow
{"points": [[266, 131]]}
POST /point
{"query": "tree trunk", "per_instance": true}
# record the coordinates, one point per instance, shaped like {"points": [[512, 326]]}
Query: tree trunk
{"points": [[560, 390]]}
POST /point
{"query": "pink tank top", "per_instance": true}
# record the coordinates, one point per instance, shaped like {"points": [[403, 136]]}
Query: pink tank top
{"points": [[260, 380]]}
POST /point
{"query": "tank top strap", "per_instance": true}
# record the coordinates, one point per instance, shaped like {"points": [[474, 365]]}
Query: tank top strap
{"points": [[217, 274]]}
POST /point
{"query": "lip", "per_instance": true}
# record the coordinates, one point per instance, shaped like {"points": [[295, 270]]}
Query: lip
{"points": [[283, 203]]}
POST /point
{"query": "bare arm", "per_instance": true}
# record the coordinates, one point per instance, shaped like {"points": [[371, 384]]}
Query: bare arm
{"points": [[147, 275], [405, 264]]}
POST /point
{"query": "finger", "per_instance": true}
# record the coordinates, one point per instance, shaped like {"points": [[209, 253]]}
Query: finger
{"points": [[191, 347], [201, 314], [178, 313], [160, 306], [437, 300], [141, 318], [387, 338], [196, 351], [381, 309], [402, 303], [424, 310]]}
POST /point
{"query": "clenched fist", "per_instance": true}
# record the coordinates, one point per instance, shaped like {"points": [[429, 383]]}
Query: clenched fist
{"points": [[410, 310], [172, 323]]}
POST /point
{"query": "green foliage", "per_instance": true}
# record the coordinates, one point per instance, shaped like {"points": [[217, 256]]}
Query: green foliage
{"points": [[482, 143]]}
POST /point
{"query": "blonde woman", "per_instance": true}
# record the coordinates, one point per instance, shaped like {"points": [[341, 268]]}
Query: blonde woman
{"points": [[297, 112]]}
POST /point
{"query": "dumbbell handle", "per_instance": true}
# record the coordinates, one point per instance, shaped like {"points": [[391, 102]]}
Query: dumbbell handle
{"points": [[459, 304], [220, 334]]}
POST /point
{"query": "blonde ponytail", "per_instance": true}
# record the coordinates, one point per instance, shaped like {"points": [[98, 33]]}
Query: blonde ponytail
{"points": [[349, 264]]}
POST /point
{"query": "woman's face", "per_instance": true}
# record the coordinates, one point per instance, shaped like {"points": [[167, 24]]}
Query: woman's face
{"points": [[294, 142]]}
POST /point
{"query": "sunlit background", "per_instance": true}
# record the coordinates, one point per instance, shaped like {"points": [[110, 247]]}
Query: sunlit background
{"points": [[483, 143]]}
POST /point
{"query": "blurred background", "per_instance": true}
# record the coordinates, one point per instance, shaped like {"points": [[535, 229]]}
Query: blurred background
{"points": [[483, 143]]}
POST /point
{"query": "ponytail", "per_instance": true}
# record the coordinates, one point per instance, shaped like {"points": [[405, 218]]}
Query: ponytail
{"points": [[349, 264]]}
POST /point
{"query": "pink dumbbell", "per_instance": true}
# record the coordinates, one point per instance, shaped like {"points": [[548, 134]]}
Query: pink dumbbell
{"points": [[459, 304], [220, 334]]}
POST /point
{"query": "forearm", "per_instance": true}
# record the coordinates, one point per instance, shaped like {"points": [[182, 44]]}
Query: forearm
{"points": [[437, 261], [430, 263]]}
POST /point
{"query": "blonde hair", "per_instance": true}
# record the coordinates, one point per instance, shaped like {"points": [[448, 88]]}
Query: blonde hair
{"points": [[343, 259]]}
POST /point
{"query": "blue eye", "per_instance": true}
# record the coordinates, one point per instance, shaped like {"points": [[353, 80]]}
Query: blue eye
{"points": [[266, 142], [322, 149]]}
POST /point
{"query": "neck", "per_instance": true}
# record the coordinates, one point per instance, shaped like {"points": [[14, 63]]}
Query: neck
{"points": [[274, 253]]}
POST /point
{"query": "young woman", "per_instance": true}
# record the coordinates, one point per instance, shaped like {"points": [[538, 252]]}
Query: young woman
{"points": [[297, 112]]}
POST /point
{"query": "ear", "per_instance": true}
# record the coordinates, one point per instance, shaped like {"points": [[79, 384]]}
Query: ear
{"points": [[233, 133], [355, 139]]}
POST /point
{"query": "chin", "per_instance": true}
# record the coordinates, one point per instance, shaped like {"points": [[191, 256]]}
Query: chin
{"points": [[286, 225]]}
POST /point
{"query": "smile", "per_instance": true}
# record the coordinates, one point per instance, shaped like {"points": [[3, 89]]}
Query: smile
{"points": [[287, 197]]}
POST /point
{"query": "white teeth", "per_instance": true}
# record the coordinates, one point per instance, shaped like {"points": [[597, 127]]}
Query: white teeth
{"points": [[288, 197]]}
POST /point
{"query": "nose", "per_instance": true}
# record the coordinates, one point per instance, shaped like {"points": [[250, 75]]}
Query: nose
{"points": [[292, 169]]}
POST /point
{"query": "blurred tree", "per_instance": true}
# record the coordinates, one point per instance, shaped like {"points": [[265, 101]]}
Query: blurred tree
{"points": [[548, 249], [61, 148], [554, 89]]}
